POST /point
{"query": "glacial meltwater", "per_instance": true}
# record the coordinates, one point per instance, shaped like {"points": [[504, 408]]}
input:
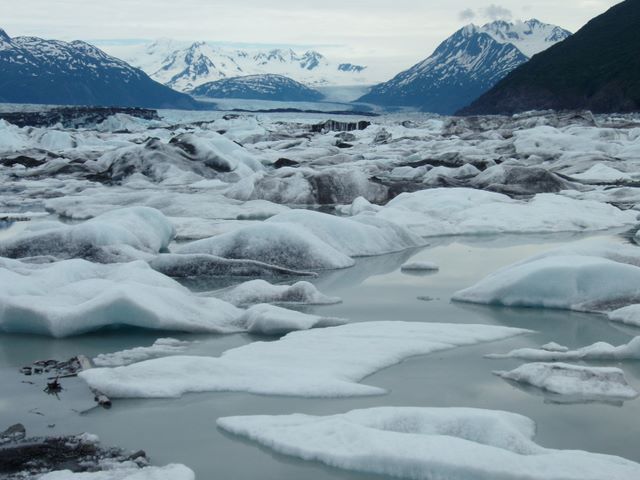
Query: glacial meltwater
{"points": [[184, 430]]}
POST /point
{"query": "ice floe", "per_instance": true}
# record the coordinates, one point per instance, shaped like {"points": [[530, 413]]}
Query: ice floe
{"points": [[419, 267], [119, 235], [460, 211], [325, 362], [428, 443], [576, 381], [162, 347], [597, 351], [260, 291], [124, 472], [586, 276], [72, 297], [629, 315], [265, 319]]}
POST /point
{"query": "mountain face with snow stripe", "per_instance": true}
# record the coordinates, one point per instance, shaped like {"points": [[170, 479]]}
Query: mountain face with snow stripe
{"points": [[258, 87], [185, 66], [34, 70], [466, 65]]}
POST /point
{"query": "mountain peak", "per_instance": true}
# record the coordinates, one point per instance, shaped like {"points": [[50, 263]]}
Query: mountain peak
{"points": [[4, 37]]}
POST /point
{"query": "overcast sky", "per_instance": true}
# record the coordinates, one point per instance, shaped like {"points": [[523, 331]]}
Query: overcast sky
{"points": [[394, 32]]}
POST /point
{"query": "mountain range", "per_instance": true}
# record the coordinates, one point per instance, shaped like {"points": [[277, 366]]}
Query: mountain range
{"points": [[258, 87], [34, 70], [185, 66], [598, 69], [466, 65]]}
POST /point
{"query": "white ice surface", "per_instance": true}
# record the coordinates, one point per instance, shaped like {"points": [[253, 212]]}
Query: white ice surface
{"points": [[281, 244], [585, 276], [169, 472], [316, 363], [261, 291], [427, 444], [267, 319], [574, 380], [122, 234], [462, 211], [75, 296], [163, 347], [597, 351], [629, 315]]}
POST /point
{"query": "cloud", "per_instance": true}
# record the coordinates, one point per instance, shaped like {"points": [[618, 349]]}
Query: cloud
{"points": [[467, 14], [497, 12]]}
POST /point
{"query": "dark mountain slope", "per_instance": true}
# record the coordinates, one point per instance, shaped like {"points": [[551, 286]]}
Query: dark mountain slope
{"points": [[598, 68]]}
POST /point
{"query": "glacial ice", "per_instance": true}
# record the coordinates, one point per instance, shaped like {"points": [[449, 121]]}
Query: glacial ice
{"points": [[126, 472], [72, 297], [419, 267], [204, 265], [119, 235], [597, 351], [163, 347], [260, 291], [585, 276], [629, 315], [577, 381], [271, 320], [359, 236], [428, 443], [326, 362], [281, 244], [461, 211]]}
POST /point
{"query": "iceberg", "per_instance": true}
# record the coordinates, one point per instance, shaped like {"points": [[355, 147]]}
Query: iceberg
{"points": [[463, 211], [162, 347], [328, 362], [577, 381], [282, 244], [427, 443], [120, 235], [124, 472], [587, 276], [73, 297], [260, 291], [597, 351]]}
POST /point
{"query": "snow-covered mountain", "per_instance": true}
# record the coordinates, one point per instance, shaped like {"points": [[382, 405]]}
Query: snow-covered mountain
{"points": [[184, 66], [258, 87], [34, 70], [466, 65]]}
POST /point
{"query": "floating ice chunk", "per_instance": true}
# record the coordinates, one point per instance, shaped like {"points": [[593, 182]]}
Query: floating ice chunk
{"points": [[124, 472], [75, 296], [359, 236], [585, 276], [120, 235], [203, 265], [267, 319], [420, 267], [428, 443], [12, 137], [588, 383], [554, 347], [260, 291], [162, 347], [459, 211], [325, 362], [281, 244], [600, 173], [597, 351], [629, 315]]}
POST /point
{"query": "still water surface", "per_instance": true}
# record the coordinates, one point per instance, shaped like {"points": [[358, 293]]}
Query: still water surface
{"points": [[184, 431]]}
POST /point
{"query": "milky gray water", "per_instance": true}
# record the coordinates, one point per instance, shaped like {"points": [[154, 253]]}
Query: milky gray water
{"points": [[184, 430]]}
